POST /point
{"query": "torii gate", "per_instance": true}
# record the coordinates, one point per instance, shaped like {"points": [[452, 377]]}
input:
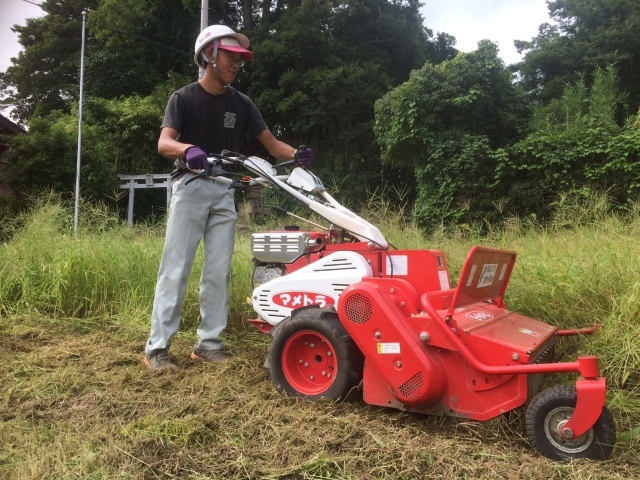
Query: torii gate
{"points": [[249, 208], [134, 182]]}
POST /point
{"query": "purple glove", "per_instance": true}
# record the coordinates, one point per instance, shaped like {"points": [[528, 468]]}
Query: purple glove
{"points": [[303, 156], [196, 158]]}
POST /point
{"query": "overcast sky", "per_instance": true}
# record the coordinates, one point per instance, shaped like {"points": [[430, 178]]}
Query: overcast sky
{"points": [[470, 21], [501, 21], [13, 12]]}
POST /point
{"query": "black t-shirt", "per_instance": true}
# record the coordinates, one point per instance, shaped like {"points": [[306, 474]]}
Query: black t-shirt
{"points": [[212, 122]]}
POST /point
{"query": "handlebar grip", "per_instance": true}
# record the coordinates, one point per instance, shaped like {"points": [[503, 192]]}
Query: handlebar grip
{"points": [[213, 159], [285, 164], [233, 156], [279, 210], [227, 157]]}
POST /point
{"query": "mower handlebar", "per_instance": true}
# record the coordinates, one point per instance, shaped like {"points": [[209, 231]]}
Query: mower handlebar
{"points": [[286, 164], [228, 158]]}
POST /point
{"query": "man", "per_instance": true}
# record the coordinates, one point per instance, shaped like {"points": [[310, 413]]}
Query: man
{"points": [[207, 116]]}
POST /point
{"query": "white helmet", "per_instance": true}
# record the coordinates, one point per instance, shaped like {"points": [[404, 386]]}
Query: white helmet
{"points": [[227, 40]]}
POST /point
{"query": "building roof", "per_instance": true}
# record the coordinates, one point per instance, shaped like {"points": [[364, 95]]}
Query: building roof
{"points": [[9, 127]]}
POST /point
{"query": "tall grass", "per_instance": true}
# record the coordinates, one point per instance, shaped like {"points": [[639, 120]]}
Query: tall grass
{"points": [[107, 269], [580, 269], [46, 268]]}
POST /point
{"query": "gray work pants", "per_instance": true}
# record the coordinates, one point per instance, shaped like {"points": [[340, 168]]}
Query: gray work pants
{"points": [[204, 209]]}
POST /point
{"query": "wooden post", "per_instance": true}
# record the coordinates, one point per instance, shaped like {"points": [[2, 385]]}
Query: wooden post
{"points": [[132, 193], [252, 205]]}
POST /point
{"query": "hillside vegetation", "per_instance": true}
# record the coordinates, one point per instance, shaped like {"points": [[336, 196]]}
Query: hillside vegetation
{"points": [[77, 402]]}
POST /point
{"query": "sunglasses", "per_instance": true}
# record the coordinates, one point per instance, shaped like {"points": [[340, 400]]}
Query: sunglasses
{"points": [[232, 60], [235, 61]]}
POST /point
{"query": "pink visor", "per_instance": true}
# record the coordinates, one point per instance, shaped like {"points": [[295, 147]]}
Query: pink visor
{"points": [[230, 44]]}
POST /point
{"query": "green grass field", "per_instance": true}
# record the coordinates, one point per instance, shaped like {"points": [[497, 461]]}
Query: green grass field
{"points": [[77, 402]]}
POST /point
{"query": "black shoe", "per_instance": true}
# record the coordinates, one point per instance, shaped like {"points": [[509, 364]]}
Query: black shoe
{"points": [[210, 356], [159, 360]]}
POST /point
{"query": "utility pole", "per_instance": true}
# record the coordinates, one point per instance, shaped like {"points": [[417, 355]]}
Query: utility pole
{"points": [[204, 23], [77, 203]]}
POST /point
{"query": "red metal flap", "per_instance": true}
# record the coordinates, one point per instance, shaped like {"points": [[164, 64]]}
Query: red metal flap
{"points": [[484, 277]]}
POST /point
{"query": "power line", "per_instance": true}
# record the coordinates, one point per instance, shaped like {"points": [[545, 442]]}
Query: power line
{"points": [[33, 3], [108, 27]]}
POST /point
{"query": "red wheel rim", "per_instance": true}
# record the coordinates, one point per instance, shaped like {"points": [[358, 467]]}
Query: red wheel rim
{"points": [[309, 362]]}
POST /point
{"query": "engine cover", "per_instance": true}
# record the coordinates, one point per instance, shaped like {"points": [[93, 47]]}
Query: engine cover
{"points": [[319, 283]]}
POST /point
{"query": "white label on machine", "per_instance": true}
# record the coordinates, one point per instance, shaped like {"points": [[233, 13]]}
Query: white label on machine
{"points": [[388, 348], [444, 280], [504, 268], [487, 275], [526, 331], [400, 264], [471, 273]]}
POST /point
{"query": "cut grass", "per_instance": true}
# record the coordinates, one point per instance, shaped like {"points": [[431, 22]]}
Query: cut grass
{"points": [[79, 403]]}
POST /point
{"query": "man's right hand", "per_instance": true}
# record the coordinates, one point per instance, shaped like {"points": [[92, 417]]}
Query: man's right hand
{"points": [[197, 159], [304, 156]]}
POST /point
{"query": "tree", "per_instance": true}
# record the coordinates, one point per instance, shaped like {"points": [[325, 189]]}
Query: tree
{"points": [[131, 45], [575, 143], [118, 137], [450, 123], [136, 43], [320, 67], [45, 158], [588, 34], [45, 75]]}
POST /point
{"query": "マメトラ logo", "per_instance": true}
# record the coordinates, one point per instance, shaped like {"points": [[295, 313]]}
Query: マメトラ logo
{"points": [[302, 299], [479, 316]]}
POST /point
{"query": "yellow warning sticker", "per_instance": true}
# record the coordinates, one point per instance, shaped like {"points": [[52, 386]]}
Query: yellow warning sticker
{"points": [[388, 348]]}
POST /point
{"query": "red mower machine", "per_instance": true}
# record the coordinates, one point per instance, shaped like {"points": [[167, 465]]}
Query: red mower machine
{"points": [[345, 311]]}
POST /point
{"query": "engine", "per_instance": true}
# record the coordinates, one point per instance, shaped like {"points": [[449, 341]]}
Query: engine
{"points": [[320, 283]]}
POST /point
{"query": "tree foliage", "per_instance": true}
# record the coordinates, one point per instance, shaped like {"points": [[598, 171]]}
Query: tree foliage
{"points": [[364, 82], [450, 123], [587, 34], [136, 43], [45, 75], [118, 137], [464, 128], [320, 68], [575, 142]]}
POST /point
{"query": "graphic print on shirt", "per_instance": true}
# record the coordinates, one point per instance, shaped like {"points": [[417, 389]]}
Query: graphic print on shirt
{"points": [[229, 120]]}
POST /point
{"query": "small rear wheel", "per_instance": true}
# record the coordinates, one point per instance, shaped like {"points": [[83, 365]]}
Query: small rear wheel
{"points": [[312, 356], [550, 410]]}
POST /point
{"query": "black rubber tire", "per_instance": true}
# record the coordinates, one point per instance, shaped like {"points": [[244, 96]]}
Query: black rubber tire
{"points": [[287, 370], [556, 404]]}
